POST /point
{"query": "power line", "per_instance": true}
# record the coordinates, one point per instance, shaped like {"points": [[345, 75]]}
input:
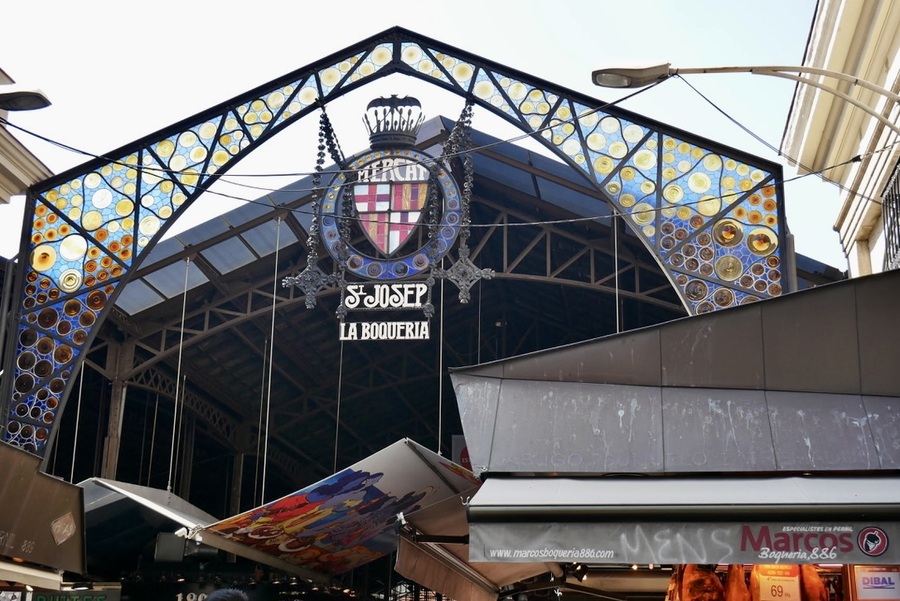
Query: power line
{"points": [[228, 180]]}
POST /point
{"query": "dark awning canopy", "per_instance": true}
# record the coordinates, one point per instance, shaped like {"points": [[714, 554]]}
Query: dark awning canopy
{"points": [[122, 519], [803, 383]]}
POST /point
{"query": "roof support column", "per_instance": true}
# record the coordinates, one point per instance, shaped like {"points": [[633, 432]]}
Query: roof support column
{"points": [[119, 361], [237, 481]]}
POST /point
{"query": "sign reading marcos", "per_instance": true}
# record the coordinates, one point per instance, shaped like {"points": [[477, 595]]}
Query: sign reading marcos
{"points": [[704, 543]]}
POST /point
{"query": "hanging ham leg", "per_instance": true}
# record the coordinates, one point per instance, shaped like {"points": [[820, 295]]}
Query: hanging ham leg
{"points": [[812, 587], [701, 584], [754, 583], [735, 586]]}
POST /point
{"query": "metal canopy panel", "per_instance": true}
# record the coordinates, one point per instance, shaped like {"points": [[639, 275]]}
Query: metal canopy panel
{"points": [[886, 430], [228, 255], [478, 399], [725, 352], [664, 495], [571, 427], [518, 426], [121, 519], [824, 326], [170, 279], [669, 520], [345, 520], [503, 173], [716, 431], [41, 517], [137, 296], [822, 432], [751, 395], [878, 336], [262, 238], [629, 358]]}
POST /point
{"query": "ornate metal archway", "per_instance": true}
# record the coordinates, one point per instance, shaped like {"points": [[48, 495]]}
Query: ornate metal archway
{"points": [[712, 216]]}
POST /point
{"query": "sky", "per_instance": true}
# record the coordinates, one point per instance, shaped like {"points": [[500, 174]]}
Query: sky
{"points": [[116, 72]]}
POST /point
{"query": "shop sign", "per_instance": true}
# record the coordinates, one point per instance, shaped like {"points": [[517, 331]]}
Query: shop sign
{"points": [[703, 543], [876, 582]]}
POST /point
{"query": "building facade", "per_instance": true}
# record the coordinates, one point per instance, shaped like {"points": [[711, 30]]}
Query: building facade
{"points": [[848, 146]]}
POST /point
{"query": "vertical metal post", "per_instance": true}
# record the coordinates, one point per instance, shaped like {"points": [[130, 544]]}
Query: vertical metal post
{"points": [[237, 483], [187, 456], [120, 359]]}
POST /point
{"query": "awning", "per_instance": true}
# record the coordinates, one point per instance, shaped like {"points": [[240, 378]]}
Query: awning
{"points": [[806, 382], [121, 519], [434, 552], [41, 521], [345, 520], [687, 520]]}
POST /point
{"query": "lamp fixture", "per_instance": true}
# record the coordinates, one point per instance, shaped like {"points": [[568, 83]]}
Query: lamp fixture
{"points": [[14, 97], [82, 586], [640, 76]]}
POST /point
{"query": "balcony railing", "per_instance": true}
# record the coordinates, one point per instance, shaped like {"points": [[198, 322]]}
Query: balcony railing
{"points": [[891, 212]]}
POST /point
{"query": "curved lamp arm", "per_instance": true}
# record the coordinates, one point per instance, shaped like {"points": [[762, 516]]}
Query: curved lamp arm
{"points": [[638, 77]]}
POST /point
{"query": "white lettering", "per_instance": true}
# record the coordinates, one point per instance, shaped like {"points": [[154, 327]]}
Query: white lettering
{"points": [[385, 330], [348, 331], [410, 295], [392, 170]]}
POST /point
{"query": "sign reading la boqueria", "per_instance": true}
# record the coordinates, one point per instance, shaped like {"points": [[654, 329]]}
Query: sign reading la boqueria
{"points": [[702, 543]]}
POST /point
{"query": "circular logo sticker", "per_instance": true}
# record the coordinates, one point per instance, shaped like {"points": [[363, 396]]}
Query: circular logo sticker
{"points": [[872, 541]]}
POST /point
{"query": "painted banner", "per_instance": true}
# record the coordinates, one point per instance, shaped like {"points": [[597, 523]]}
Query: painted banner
{"points": [[347, 520], [675, 543]]}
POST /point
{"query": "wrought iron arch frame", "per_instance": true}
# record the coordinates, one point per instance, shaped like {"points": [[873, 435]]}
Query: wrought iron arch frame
{"points": [[87, 229]]}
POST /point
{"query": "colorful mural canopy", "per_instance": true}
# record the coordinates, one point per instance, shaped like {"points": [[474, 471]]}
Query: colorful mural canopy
{"points": [[345, 520]]}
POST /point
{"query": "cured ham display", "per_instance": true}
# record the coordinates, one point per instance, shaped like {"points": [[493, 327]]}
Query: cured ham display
{"points": [[812, 587], [700, 583], [735, 585]]}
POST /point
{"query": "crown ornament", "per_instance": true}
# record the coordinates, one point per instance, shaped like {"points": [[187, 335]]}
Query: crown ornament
{"points": [[393, 122]]}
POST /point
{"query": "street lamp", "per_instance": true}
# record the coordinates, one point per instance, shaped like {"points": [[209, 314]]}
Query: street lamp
{"points": [[638, 77], [14, 97]]}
